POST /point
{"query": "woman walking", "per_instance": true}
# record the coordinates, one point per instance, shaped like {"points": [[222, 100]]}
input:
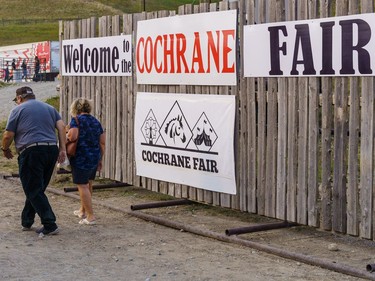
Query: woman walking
{"points": [[88, 157]]}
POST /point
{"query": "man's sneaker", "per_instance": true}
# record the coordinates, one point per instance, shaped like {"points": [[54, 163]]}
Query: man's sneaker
{"points": [[24, 228], [39, 230], [47, 232]]}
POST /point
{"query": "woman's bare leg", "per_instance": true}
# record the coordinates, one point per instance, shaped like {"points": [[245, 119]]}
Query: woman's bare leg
{"points": [[86, 200]]}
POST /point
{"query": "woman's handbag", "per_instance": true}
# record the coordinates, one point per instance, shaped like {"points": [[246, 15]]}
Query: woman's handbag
{"points": [[71, 143]]}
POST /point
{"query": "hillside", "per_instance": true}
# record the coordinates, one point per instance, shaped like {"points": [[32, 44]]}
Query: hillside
{"points": [[25, 21]]}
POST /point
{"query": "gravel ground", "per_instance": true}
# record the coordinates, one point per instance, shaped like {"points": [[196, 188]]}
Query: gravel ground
{"points": [[42, 91], [122, 247]]}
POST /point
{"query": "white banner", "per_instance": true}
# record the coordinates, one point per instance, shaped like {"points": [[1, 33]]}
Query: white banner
{"points": [[198, 49], [337, 46], [103, 56], [186, 139]]}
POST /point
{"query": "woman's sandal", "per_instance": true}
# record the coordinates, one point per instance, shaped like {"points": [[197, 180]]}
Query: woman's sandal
{"points": [[87, 222], [79, 214]]}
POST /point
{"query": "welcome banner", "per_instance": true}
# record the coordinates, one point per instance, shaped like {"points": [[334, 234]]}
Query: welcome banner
{"points": [[103, 56], [198, 49], [338, 46], [186, 139]]}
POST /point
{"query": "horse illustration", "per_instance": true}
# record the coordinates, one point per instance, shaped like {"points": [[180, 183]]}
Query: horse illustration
{"points": [[175, 129]]}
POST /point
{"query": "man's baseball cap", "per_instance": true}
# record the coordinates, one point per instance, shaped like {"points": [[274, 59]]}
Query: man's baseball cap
{"points": [[24, 92]]}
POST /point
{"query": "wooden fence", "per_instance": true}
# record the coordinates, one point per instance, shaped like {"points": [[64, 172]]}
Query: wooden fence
{"points": [[304, 146]]}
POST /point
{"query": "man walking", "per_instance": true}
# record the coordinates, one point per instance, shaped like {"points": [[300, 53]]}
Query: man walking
{"points": [[32, 125]]}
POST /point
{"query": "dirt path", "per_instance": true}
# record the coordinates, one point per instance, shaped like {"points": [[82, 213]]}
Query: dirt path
{"points": [[122, 247]]}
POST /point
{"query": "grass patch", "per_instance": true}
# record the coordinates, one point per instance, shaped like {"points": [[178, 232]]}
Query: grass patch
{"points": [[216, 211], [3, 85], [62, 180], [142, 193], [55, 102], [28, 32], [16, 10], [40, 21]]}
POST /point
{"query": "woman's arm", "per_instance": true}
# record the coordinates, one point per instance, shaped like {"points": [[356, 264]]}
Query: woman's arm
{"points": [[102, 150]]}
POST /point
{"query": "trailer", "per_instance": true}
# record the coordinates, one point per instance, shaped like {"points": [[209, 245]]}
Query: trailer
{"points": [[47, 53]]}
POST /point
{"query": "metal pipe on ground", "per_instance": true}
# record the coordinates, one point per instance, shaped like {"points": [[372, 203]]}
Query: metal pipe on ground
{"points": [[259, 227], [160, 204], [17, 175], [323, 263], [370, 267], [98, 186], [12, 175], [59, 172]]}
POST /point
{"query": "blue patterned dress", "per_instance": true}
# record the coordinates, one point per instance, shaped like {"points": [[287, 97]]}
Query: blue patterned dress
{"points": [[88, 148]]}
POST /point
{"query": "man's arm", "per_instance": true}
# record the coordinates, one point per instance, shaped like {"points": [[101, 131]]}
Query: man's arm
{"points": [[8, 137], [60, 125]]}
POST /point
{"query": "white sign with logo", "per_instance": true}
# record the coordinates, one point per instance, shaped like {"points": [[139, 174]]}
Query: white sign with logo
{"points": [[103, 56], [186, 139]]}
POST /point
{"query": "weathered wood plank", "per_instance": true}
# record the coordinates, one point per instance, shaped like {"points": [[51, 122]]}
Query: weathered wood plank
{"points": [[340, 143], [234, 90], [82, 82], [327, 123], [340, 157], [292, 150], [303, 111], [366, 156], [242, 148], [271, 148], [214, 91], [353, 163], [117, 150], [261, 143], [312, 153], [64, 111], [184, 190], [272, 130], [92, 82], [367, 148], [282, 129], [252, 127], [131, 108]]}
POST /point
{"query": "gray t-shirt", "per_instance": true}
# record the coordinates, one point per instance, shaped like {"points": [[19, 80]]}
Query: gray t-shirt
{"points": [[33, 121]]}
